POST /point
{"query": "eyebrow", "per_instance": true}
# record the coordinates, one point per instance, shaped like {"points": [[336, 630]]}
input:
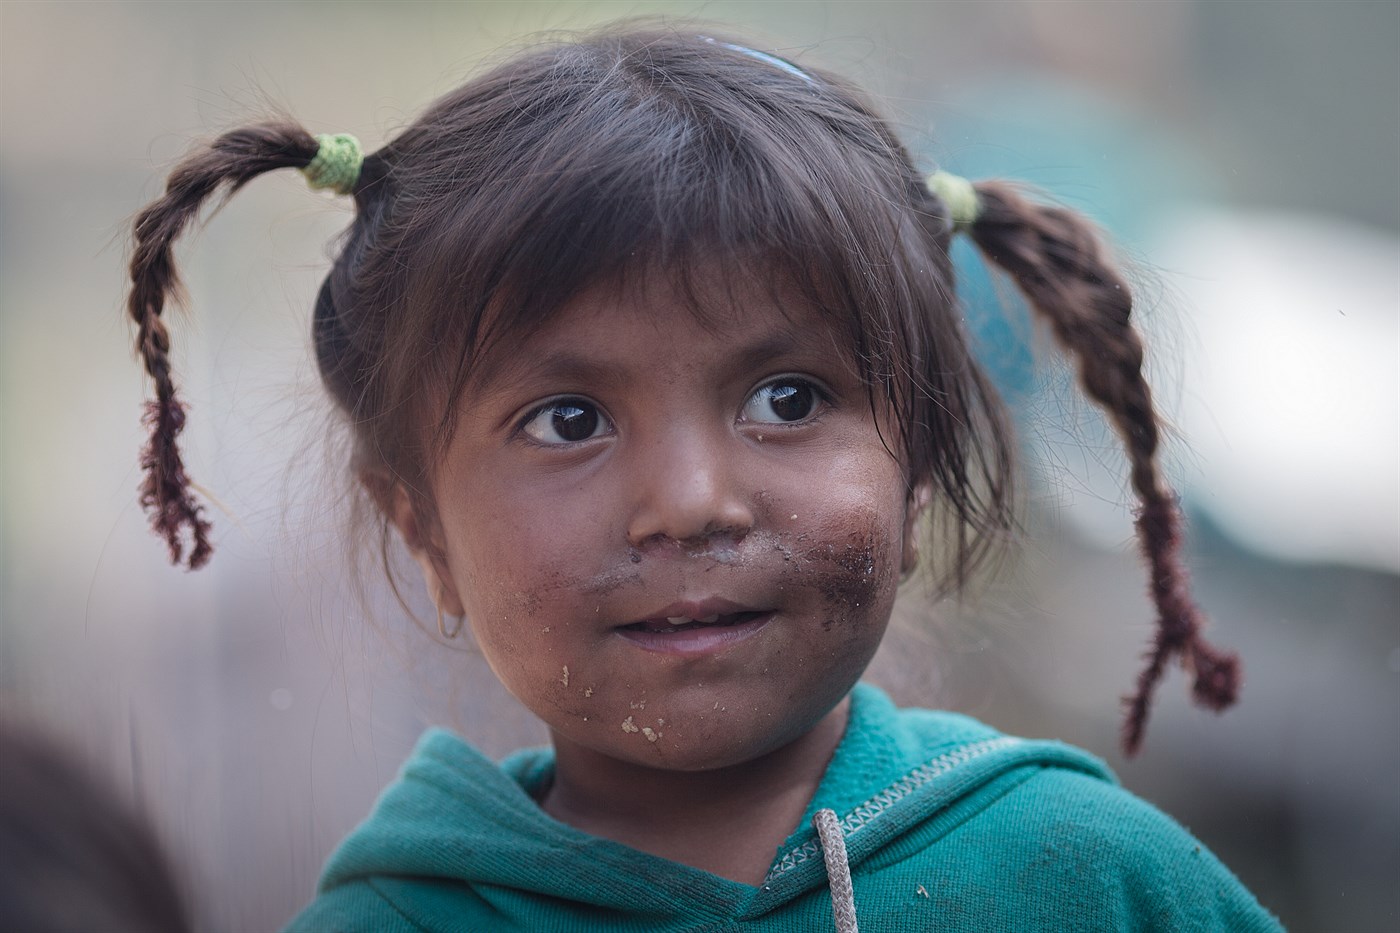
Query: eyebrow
{"points": [[566, 364], [560, 365], [779, 344], [505, 372]]}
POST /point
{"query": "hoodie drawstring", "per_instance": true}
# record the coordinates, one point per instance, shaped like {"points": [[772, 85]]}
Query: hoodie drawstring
{"points": [[838, 870]]}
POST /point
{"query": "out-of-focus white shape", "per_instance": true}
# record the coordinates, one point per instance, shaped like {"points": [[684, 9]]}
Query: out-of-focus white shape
{"points": [[1290, 380]]}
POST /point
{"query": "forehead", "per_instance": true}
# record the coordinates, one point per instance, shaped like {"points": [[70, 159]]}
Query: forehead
{"points": [[702, 316]]}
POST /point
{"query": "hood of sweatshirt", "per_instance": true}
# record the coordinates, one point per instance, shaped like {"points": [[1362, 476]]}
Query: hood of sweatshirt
{"points": [[459, 835]]}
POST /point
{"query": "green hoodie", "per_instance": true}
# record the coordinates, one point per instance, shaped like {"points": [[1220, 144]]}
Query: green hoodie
{"points": [[948, 825]]}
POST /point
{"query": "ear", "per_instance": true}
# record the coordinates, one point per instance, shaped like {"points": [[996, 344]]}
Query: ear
{"points": [[914, 507], [420, 535]]}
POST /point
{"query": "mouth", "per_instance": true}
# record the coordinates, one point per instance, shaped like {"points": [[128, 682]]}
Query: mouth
{"points": [[674, 625], [695, 629]]}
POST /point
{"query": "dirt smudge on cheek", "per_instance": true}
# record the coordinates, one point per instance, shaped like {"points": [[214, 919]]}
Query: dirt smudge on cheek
{"points": [[851, 576], [606, 583], [536, 601]]}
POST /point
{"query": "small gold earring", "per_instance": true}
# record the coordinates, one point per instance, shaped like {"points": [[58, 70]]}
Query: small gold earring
{"points": [[442, 628]]}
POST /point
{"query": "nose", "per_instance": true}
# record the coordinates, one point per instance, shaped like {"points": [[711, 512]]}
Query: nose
{"points": [[688, 489]]}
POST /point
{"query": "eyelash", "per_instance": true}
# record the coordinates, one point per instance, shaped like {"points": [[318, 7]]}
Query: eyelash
{"points": [[599, 424], [818, 399]]}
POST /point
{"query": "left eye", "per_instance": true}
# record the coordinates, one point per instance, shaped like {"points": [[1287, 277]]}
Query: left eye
{"points": [[782, 402], [566, 421]]}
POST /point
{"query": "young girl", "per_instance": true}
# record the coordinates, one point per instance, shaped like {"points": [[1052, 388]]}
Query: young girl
{"points": [[650, 351]]}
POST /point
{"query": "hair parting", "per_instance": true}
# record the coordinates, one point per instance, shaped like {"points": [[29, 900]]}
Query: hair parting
{"points": [[1060, 265]]}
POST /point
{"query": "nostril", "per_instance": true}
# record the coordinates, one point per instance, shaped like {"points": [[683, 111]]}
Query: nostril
{"points": [[736, 533], [718, 543], [721, 544]]}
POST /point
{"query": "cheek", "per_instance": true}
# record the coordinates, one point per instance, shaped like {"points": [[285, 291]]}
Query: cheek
{"points": [[843, 538], [528, 570], [851, 568], [841, 546], [847, 572], [516, 546]]}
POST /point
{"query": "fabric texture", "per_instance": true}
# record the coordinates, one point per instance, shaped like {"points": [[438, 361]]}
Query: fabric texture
{"points": [[947, 824]]}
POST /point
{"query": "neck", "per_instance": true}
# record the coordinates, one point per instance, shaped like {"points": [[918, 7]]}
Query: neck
{"points": [[728, 821]]}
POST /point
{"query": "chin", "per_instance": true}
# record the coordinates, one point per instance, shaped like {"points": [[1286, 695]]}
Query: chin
{"points": [[700, 732]]}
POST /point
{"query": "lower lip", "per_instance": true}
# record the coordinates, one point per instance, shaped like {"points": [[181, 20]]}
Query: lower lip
{"points": [[696, 642]]}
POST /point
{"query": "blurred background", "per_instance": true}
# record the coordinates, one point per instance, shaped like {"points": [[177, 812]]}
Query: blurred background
{"points": [[1243, 154]]}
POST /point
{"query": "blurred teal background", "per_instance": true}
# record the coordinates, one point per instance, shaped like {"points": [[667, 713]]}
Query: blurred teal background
{"points": [[1244, 155]]}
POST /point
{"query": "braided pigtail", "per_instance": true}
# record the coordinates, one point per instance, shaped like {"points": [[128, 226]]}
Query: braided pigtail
{"points": [[1061, 267], [230, 161]]}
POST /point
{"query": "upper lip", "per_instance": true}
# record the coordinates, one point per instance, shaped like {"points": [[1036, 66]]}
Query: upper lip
{"points": [[696, 609]]}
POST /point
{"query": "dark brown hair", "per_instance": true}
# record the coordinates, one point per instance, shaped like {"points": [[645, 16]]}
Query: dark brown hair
{"points": [[641, 151]]}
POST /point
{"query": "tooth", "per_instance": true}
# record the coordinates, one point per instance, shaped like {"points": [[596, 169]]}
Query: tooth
{"points": [[709, 619], [677, 620]]}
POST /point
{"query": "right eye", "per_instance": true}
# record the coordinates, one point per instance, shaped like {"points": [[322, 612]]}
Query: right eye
{"points": [[565, 421], [783, 401]]}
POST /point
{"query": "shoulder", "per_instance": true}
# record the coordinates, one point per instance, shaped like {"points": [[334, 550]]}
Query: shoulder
{"points": [[401, 904], [403, 868], [993, 831], [1066, 849], [1133, 859], [349, 908]]}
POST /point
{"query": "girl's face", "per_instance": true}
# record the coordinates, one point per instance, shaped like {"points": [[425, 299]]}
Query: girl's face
{"points": [[677, 543]]}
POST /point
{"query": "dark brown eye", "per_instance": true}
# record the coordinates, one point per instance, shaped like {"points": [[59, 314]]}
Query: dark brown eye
{"points": [[566, 421], [782, 402]]}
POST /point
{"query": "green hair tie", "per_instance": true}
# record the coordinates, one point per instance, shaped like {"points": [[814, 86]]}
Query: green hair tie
{"points": [[337, 163], [964, 206]]}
